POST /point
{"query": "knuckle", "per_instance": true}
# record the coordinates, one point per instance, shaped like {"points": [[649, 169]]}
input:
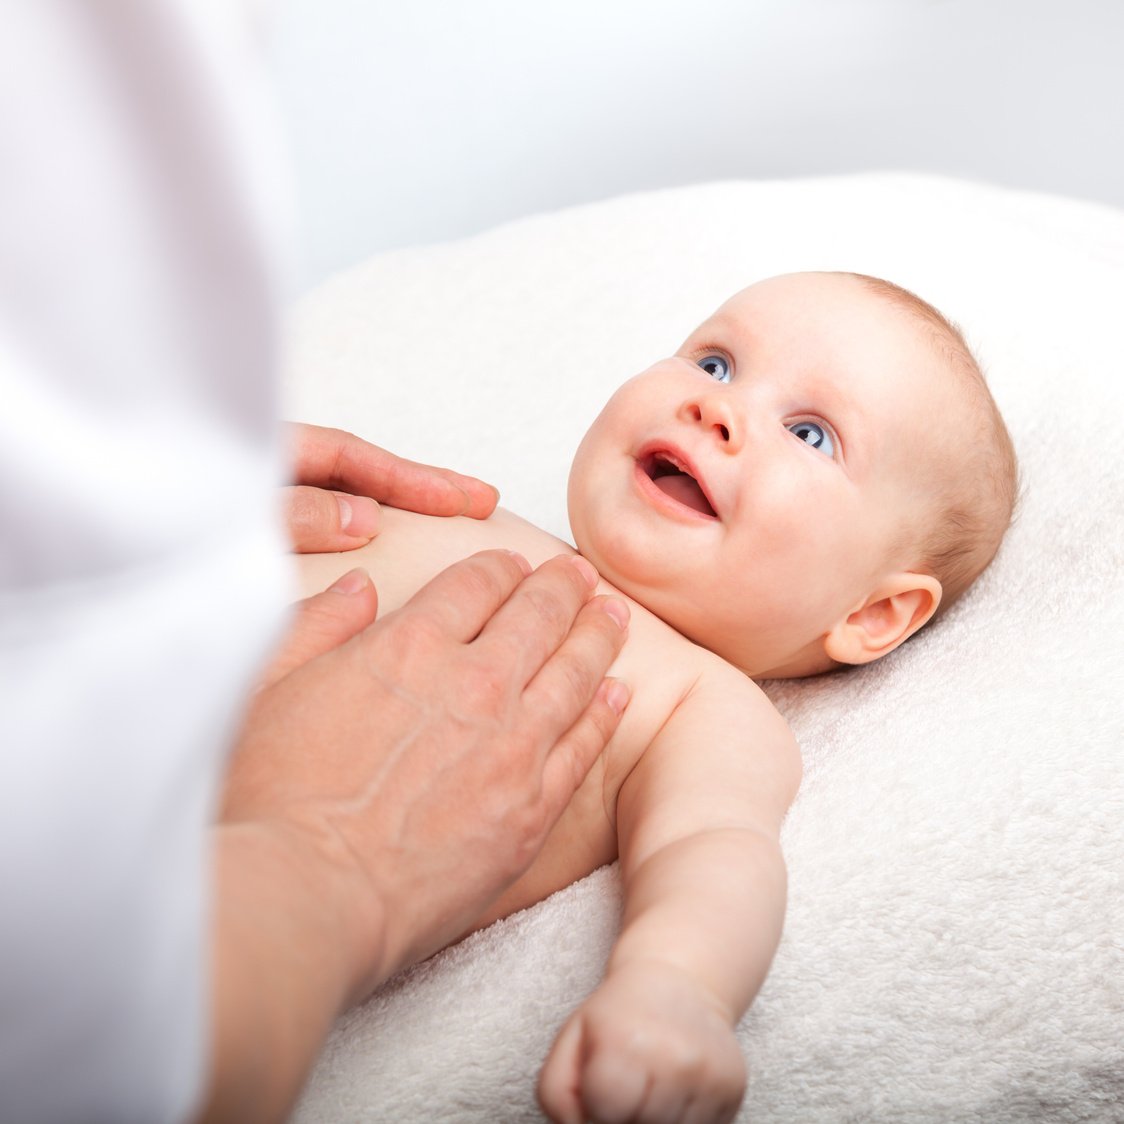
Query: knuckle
{"points": [[394, 471], [529, 827], [298, 506], [338, 440], [314, 511], [489, 576], [577, 680], [516, 824], [321, 614], [549, 612], [686, 1059], [410, 643], [608, 636], [664, 1050], [575, 756], [584, 660]]}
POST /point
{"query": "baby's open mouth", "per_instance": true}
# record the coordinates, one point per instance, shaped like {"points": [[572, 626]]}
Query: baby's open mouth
{"points": [[673, 479]]}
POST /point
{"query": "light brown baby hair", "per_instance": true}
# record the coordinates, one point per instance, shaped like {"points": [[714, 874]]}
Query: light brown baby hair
{"points": [[974, 503]]}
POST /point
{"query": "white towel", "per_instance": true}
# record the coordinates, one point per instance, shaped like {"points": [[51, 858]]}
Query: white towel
{"points": [[953, 947]]}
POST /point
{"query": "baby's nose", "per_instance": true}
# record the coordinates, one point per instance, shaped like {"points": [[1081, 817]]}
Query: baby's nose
{"points": [[716, 414]]}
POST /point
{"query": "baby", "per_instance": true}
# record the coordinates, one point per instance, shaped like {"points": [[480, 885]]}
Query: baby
{"points": [[816, 473]]}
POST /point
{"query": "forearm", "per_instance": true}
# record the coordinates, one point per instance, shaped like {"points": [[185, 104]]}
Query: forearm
{"points": [[710, 905], [282, 970]]}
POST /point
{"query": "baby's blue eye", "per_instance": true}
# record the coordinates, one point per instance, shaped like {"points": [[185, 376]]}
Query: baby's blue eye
{"points": [[814, 435], [716, 366]]}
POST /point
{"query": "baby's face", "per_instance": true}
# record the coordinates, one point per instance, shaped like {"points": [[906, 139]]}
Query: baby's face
{"points": [[752, 489]]}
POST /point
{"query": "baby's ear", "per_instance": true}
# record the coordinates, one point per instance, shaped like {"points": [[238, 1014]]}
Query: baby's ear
{"points": [[889, 616]]}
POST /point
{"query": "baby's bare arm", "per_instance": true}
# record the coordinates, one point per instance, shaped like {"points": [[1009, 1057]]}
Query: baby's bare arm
{"points": [[698, 822]]}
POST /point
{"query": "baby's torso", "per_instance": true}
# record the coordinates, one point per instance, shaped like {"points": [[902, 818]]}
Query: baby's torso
{"points": [[658, 664]]}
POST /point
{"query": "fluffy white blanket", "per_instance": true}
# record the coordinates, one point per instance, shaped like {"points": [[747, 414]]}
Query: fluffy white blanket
{"points": [[953, 949]]}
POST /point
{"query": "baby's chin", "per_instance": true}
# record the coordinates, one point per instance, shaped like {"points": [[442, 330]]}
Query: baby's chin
{"points": [[711, 635], [604, 565], [622, 578], [643, 588]]}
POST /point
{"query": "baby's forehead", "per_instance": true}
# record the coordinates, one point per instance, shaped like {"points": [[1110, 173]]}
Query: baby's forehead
{"points": [[894, 359], [839, 311], [812, 293], [820, 317]]}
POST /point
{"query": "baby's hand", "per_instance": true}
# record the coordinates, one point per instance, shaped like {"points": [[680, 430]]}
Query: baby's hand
{"points": [[647, 1045]]}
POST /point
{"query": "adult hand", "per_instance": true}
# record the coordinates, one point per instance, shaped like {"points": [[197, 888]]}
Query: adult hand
{"points": [[339, 477], [324, 622], [439, 745], [386, 788]]}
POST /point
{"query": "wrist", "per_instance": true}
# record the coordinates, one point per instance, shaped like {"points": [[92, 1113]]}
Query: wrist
{"points": [[306, 879], [288, 949], [642, 971]]}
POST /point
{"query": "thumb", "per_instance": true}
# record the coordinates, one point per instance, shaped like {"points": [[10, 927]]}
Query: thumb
{"points": [[323, 622], [319, 520], [559, 1086]]}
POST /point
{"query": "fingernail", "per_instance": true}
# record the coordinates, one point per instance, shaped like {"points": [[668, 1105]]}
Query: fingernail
{"points": [[353, 581], [466, 499], [617, 609], [617, 695], [585, 569], [524, 565], [359, 515]]}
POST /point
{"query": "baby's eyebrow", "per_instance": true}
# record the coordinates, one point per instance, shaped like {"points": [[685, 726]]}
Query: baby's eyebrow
{"points": [[846, 413], [720, 331], [725, 322]]}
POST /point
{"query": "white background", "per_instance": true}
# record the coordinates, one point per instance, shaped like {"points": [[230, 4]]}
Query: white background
{"points": [[425, 120]]}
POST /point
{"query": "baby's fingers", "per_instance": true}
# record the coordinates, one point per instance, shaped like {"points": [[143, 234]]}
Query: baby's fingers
{"points": [[614, 1088], [559, 1088], [583, 1080]]}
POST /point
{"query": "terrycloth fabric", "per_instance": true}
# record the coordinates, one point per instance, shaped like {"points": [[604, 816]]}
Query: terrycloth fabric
{"points": [[953, 948]]}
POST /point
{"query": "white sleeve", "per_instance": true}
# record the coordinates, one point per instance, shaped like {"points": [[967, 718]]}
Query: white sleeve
{"points": [[141, 564]]}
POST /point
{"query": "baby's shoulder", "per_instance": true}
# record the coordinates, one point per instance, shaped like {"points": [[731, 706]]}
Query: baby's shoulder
{"points": [[707, 747], [679, 688], [667, 663], [411, 549]]}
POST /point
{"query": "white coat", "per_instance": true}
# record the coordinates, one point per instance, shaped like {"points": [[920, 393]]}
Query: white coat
{"points": [[140, 555]]}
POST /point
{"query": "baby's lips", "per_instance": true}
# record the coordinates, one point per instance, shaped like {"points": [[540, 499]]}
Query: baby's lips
{"points": [[674, 455]]}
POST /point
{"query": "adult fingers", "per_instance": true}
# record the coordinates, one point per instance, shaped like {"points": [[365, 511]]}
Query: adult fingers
{"points": [[460, 600], [537, 618], [328, 521], [333, 458], [324, 622], [577, 665], [571, 683], [573, 754]]}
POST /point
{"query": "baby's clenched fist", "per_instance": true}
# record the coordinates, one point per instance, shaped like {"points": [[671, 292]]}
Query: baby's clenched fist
{"points": [[649, 1045]]}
